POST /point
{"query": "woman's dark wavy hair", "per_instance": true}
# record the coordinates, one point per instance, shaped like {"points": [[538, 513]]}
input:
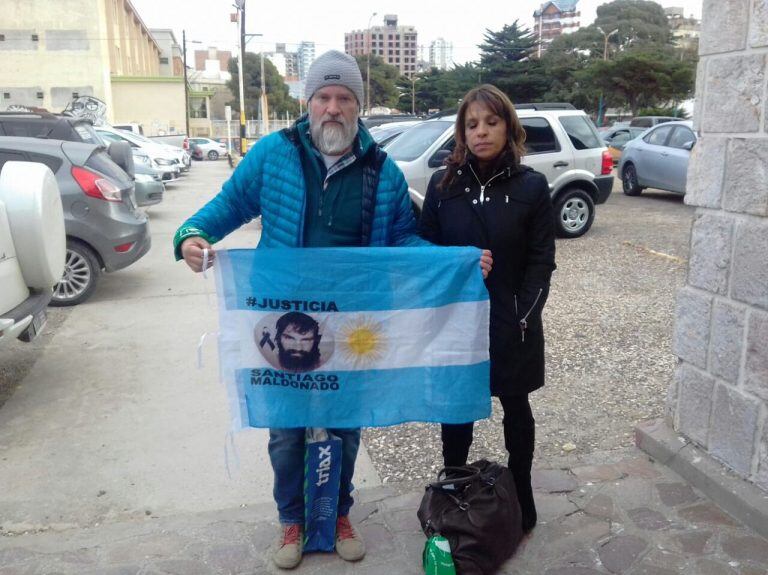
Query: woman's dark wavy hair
{"points": [[498, 102]]}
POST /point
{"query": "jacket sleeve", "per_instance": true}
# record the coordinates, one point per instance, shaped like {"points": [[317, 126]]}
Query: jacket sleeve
{"points": [[429, 223], [236, 204], [540, 253], [404, 229]]}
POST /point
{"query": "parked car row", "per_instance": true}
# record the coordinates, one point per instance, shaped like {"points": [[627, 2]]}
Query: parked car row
{"points": [[102, 176]]}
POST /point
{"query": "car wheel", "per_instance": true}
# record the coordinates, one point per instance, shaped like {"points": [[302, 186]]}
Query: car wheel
{"points": [[629, 181], [574, 213], [213, 155], [81, 274]]}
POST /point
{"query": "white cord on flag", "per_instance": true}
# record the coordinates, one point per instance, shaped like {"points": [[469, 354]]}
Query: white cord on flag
{"points": [[229, 444], [200, 346], [205, 263]]}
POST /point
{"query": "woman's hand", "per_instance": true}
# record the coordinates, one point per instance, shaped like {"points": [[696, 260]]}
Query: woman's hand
{"points": [[486, 262], [192, 252]]}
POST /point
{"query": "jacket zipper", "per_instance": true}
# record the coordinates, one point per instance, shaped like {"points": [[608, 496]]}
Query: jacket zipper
{"points": [[524, 321], [482, 187]]}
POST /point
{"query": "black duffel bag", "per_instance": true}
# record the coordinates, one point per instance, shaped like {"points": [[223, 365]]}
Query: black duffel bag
{"points": [[475, 508]]}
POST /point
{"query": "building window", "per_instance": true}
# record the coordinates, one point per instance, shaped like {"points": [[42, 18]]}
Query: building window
{"points": [[7, 95], [40, 95], [2, 37], [75, 95], [163, 60], [35, 38]]}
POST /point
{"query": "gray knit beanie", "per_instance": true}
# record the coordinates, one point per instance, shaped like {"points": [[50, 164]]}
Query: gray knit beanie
{"points": [[334, 68]]}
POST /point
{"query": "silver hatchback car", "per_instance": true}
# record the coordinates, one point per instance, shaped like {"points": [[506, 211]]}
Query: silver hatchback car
{"points": [[658, 159], [105, 230]]}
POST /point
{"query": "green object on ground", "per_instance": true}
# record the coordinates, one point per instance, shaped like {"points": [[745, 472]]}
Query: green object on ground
{"points": [[437, 558]]}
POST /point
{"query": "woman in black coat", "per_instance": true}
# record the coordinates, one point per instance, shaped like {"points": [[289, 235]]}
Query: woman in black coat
{"points": [[486, 198]]}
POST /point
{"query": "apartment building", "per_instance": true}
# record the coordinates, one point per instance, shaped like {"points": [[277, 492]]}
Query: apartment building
{"points": [[440, 54], [397, 45], [554, 18]]}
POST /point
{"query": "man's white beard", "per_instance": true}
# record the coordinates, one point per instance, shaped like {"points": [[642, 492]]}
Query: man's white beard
{"points": [[332, 138]]}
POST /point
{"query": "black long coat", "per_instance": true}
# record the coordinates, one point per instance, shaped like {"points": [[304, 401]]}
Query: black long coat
{"points": [[514, 219]]}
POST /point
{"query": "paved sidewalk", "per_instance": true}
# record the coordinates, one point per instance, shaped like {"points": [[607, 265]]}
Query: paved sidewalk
{"points": [[628, 516]]}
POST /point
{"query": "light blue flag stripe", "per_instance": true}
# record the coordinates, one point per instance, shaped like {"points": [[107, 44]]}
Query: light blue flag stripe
{"points": [[271, 398], [388, 281]]}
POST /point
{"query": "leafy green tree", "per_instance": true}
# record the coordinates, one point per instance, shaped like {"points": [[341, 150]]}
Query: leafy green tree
{"points": [[638, 21], [439, 89], [384, 79], [277, 91], [506, 58], [641, 78]]}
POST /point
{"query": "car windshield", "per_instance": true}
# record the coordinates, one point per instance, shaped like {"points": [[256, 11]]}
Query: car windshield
{"points": [[414, 142]]}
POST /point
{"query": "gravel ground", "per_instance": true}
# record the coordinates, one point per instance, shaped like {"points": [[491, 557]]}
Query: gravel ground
{"points": [[608, 323]]}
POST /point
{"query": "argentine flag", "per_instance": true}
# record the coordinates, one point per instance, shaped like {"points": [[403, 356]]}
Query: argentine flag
{"points": [[353, 337]]}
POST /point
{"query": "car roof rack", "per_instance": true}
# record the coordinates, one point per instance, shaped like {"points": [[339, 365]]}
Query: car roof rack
{"points": [[545, 106]]}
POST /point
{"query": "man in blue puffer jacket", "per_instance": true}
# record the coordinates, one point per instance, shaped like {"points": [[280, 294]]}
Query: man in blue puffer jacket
{"points": [[321, 183]]}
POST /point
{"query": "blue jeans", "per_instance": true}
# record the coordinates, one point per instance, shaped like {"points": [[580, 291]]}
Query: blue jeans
{"points": [[286, 451]]}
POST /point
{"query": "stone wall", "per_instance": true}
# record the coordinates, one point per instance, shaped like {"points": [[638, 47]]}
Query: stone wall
{"points": [[719, 398]]}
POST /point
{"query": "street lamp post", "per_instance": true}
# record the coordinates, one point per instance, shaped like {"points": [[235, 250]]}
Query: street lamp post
{"points": [[186, 82], [368, 69], [600, 111], [413, 94]]}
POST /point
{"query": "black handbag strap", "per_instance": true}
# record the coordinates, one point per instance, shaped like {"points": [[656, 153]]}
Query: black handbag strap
{"points": [[461, 476]]}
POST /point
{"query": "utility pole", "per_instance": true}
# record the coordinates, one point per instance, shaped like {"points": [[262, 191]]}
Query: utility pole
{"points": [[368, 70], [264, 103], [241, 70], [186, 83]]}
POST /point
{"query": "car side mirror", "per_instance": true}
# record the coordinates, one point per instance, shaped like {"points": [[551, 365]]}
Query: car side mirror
{"points": [[122, 155], [438, 159], [689, 145]]}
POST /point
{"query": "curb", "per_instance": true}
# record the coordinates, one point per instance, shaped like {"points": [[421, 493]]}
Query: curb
{"points": [[741, 499]]}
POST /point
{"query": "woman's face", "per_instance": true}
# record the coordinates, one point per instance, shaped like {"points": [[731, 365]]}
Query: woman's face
{"points": [[485, 132]]}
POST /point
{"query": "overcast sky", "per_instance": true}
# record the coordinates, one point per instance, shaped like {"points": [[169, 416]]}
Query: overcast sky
{"points": [[324, 23]]}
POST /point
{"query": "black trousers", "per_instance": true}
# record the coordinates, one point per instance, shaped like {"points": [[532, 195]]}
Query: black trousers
{"points": [[519, 438]]}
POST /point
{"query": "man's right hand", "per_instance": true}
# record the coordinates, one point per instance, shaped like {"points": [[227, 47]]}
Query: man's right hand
{"points": [[192, 252]]}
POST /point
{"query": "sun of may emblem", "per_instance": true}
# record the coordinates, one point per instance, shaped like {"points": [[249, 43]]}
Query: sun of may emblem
{"points": [[361, 341]]}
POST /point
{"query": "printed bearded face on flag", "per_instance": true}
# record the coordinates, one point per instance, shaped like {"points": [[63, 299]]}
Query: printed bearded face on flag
{"points": [[299, 344]]}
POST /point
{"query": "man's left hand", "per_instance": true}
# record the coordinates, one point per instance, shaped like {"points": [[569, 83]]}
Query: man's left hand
{"points": [[486, 262]]}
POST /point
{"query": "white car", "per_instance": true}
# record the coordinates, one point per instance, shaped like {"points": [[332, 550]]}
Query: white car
{"points": [[32, 247], [212, 149], [562, 142], [167, 158]]}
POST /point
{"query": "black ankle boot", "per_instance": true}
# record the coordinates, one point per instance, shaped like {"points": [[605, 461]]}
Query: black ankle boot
{"points": [[525, 498]]}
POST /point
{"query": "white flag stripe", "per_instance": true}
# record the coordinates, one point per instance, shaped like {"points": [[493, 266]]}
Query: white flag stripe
{"points": [[375, 340]]}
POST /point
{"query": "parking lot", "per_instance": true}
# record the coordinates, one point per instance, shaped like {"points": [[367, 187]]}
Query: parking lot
{"points": [[608, 320]]}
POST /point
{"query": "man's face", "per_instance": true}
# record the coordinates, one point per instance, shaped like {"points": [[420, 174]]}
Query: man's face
{"points": [[298, 350], [333, 119]]}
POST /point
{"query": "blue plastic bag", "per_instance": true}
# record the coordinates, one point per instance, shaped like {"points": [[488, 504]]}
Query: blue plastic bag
{"points": [[322, 472]]}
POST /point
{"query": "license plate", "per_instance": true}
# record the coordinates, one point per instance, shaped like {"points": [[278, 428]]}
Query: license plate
{"points": [[38, 323]]}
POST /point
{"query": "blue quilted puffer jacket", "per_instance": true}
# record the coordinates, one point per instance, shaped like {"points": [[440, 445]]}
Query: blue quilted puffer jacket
{"points": [[269, 182]]}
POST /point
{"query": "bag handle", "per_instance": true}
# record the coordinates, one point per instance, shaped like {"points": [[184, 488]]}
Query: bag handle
{"points": [[465, 475]]}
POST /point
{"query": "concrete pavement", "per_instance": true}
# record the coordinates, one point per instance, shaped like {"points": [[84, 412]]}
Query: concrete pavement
{"points": [[623, 514], [112, 460], [115, 421]]}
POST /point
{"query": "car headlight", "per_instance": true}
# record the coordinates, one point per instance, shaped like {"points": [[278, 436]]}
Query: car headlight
{"points": [[163, 162], [142, 159]]}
